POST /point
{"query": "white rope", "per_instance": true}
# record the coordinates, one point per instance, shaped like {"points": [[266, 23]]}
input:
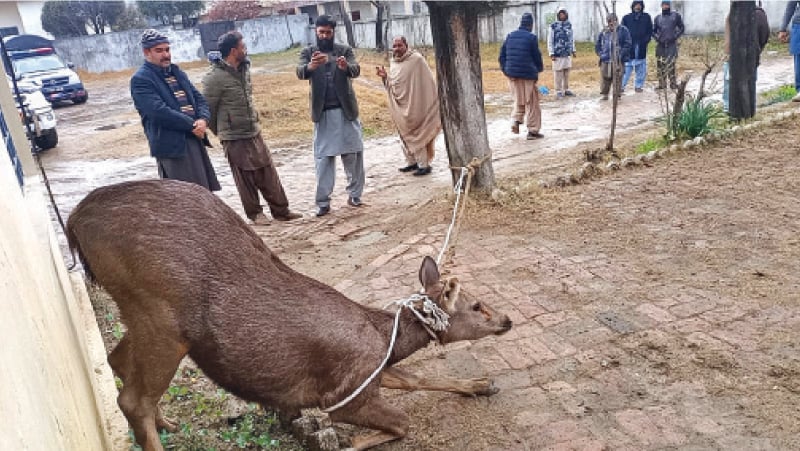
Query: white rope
{"points": [[438, 321], [457, 188]]}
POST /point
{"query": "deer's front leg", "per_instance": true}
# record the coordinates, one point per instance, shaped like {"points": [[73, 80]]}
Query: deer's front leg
{"points": [[403, 380]]}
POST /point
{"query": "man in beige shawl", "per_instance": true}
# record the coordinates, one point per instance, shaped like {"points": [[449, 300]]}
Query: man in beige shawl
{"points": [[413, 105]]}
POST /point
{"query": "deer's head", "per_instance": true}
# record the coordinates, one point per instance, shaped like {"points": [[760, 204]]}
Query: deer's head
{"points": [[470, 317]]}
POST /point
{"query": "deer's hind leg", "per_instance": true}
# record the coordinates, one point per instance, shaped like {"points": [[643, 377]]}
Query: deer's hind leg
{"points": [[375, 413], [402, 380], [152, 359]]}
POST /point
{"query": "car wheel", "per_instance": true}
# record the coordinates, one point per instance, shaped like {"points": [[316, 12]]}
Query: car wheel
{"points": [[47, 141], [80, 100]]}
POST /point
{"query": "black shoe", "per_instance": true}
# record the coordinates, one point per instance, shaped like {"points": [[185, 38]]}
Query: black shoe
{"points": [[532, 135], [423, 171], [322, 211], [354, 202], [409, 168], [288, 216]]}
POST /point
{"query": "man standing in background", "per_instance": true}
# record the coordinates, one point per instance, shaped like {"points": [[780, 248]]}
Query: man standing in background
{"points": [[521, 61], [561, 48], [792, 16], [667, 29], [640, 25], [413, 105]]}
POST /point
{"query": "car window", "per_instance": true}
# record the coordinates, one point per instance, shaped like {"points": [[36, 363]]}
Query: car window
{"points": [[37, 64]]}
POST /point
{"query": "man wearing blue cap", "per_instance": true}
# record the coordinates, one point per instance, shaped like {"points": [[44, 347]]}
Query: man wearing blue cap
{"points": [[174, 115], [521, 62]]}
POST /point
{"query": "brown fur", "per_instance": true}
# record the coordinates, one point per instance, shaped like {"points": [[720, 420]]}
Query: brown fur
{"points": [[190, 277]]}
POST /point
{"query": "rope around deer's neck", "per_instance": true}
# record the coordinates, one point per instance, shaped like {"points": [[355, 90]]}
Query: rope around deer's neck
{"points": [[439, 316], [438, 322]]}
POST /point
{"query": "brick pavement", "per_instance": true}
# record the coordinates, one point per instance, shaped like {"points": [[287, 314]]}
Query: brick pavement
{"points": [[703, 367]]}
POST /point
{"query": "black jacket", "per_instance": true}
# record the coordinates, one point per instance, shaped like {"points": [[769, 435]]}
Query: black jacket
{"points": [[341, 79]]}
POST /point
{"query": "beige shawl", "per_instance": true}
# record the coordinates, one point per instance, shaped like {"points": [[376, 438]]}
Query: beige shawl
{"points": [[413, 100]]}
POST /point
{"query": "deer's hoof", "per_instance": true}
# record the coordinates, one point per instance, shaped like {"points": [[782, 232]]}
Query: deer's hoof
{"points": [[484, 387]]}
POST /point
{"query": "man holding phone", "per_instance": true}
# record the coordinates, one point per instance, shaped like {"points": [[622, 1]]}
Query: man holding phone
{"points": [[329, 68]]}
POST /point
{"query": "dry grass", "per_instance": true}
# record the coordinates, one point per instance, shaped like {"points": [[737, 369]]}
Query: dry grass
{"points": [[282, 99]]}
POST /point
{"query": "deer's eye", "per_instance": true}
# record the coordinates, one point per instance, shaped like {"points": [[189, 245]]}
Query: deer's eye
{"points": [[476, 307]]}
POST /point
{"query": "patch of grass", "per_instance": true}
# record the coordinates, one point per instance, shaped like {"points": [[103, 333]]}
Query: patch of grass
{"points": [[651, 144], [780, 94], [250, 430]]}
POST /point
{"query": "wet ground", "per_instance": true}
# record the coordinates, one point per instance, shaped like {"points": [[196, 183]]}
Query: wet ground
{"points": [[654, 309]]}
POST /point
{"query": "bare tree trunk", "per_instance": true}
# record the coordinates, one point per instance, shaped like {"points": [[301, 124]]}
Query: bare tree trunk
{"points": [[380, 43], [615, 80], [454, 27], [743, 58], [348, 24]]}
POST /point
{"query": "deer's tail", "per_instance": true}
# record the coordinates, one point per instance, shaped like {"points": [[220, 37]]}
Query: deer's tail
{"points": [[75, 246]]}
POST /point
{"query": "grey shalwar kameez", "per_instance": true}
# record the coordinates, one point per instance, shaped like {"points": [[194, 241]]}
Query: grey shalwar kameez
{"points": [[337, 129]]}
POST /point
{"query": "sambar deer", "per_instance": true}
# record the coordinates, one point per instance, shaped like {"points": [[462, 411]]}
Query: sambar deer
{"points": [[191, 277]]}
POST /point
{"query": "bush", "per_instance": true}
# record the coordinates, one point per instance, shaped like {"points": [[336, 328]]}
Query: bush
{"points": [[697, 117]]}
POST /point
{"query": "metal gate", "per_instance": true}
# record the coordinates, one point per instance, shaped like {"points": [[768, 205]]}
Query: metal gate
{"points": [[210, 32]]}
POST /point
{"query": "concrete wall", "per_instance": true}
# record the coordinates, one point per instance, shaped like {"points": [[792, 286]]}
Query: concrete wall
{"points": [[9, 16], [117, 51], [121, 50], [56, 391], [587, 18]]}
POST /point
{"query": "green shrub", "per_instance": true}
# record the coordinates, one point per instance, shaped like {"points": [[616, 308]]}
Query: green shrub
{"points": [[697, 117]]}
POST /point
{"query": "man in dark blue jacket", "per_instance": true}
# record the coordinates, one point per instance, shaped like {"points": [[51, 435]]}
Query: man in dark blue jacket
{"points": [[521, 62], [640, 25], [174, 115], [608, 51]]}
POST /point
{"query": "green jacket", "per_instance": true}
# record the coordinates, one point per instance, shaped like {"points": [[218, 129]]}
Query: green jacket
{"points": [[230, 98]]}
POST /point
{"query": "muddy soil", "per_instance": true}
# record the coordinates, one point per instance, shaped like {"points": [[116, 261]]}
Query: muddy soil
{"points": [[654, 308]]}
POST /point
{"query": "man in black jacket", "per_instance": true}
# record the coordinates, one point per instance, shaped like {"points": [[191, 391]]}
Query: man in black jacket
{"points": [[667, 29], [329, 68]]}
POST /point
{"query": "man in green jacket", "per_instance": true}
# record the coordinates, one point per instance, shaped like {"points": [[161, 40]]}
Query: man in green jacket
{"points": [[234, 120]]}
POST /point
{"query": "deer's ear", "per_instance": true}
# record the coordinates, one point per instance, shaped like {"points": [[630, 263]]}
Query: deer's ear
{"points": [[428, 272]]}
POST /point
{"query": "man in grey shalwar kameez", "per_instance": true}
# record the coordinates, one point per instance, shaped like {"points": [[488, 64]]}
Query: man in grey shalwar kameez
{"points": [[329, 68]]}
